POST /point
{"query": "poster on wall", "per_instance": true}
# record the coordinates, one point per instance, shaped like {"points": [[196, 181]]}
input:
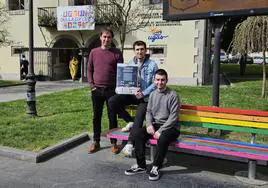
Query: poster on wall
{"points": [[76, 18], [126, 79]]}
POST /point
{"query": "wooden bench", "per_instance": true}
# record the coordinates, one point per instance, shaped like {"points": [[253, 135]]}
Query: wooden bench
{"points": [[252, 122]]}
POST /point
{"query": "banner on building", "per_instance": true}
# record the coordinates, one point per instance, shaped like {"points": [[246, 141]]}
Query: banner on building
{"points": [[126, 79], [76, 18]]}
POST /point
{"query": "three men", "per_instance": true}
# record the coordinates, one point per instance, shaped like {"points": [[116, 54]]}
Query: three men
{"points": [[101, 74], [161, 124], [117, 103]]}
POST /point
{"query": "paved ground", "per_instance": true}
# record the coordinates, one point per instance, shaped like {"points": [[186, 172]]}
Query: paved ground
{"points": [[42, 87], [77, 168]]}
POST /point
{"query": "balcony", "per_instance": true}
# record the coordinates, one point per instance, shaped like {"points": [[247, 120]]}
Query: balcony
{"points": [[47, 16]]}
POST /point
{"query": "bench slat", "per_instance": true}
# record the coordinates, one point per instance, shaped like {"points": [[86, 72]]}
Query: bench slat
{"points": [[219, 146], [226, 127], [224, 115], [223, 121], [226, 110]]}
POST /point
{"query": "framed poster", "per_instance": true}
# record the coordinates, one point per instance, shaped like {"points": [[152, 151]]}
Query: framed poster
{"points": [[126, 79], [200, 9]]}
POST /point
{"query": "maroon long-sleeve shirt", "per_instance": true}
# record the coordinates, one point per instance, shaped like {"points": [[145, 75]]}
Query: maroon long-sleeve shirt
{"points": [[101, 67]]}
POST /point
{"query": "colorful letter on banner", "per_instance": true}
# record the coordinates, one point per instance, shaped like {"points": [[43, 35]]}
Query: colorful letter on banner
{"points": [[76, 18]]}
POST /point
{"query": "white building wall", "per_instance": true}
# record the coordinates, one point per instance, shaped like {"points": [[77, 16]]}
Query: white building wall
{"points": [[183, 46]]}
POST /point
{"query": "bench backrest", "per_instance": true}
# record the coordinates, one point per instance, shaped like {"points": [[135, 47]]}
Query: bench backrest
{"points": [[230, 119]]}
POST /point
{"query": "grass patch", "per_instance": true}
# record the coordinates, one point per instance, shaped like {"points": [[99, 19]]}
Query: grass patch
{"points": [[8, 82], [65, 114], [233, 70]]}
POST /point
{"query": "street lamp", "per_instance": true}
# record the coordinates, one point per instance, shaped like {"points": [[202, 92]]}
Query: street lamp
{"points": [[30, 97]]}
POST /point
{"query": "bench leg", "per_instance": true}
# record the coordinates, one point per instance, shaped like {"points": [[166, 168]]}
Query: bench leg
{"points": [[152, 152], [250, 176], [252, 169]]}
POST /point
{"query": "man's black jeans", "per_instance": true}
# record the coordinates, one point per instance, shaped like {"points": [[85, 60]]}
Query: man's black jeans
{"points": [[163, 142], [100, 96], [117, 105]]}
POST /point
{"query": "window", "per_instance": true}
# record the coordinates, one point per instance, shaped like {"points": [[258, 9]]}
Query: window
{"points": [[16, 50], [81, 2], [158, 50], [154, 2], [16, 5], [158, 53]]}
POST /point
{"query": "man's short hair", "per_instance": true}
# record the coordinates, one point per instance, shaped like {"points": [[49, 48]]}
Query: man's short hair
{"points": [[107, 30], [162, 72], [139, 43]]}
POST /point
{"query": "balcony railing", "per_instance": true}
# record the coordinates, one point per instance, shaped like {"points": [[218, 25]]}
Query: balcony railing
{"points": [[47, 16]]}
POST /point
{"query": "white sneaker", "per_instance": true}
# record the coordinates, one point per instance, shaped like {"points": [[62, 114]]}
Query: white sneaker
{"points": [[127, 127], [154, 174], [127, 150]]}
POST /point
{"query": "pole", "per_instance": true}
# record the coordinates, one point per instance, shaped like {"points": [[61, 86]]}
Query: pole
{"points": [[218, 25], [30, 97]]}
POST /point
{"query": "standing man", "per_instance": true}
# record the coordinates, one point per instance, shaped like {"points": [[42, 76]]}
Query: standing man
{"points": [[117, 103], [161, 121], [24, 63], [101, 74]]}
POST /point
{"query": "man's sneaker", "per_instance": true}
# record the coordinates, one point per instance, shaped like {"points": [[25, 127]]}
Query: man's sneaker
{"points": [[127, 127], [154, 174], [134, 169], [94, 147], [127, 150]]}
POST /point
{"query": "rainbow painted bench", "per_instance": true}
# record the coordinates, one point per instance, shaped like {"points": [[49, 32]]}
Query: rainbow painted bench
{"points": [[251, 122]]}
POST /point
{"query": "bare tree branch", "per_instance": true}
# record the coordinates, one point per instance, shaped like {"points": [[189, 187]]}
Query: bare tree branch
{"points": [[3, 31], [129, 16]]}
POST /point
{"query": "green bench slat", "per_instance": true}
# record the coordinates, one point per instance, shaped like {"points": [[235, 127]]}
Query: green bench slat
{"points": [[225, 127]]}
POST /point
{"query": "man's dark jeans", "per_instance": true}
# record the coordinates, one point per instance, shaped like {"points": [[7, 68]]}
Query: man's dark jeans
{"points": [[99, 97], [117, 105], [163, 142]]}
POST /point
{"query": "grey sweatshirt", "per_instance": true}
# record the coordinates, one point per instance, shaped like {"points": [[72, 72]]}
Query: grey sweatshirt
{"points": [[163, 108]]}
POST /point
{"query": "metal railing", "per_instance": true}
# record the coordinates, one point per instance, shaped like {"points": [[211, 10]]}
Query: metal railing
{"points": [[47, 16]]}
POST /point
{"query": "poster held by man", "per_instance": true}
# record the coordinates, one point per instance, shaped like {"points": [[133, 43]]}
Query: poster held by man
{"points": [[127, 79]]}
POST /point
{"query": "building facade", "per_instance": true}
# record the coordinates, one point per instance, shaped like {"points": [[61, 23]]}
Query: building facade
{"points": [[178, 47]]}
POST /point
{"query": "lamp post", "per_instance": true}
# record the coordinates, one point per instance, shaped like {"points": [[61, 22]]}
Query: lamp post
{"points": [[30, 97]]}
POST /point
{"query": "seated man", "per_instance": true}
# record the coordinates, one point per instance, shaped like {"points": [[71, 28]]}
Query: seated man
{"points": [[117, 103], [161, 124]]}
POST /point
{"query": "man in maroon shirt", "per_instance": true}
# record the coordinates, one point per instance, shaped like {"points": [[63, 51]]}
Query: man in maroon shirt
{"points": [[101, 74]]}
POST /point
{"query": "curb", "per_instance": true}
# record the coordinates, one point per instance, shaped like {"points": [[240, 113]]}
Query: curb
{"points": [[44, 154], [11, 85]]}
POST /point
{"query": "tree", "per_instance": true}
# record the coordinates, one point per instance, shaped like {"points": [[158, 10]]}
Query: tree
{"points": [[252, 36], [3, 31], [127, 16]]}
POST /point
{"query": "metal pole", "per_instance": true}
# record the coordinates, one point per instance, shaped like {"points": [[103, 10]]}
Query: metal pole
{"points": [[30, 97], [252, 163], [216, 63]]}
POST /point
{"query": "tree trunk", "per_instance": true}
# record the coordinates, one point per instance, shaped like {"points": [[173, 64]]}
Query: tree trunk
{"points": [[122, 38], [243, 64], [263, 76]]}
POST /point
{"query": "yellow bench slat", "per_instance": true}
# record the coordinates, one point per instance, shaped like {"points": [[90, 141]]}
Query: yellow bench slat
{"points": [[225, 116], [223, 121]]}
